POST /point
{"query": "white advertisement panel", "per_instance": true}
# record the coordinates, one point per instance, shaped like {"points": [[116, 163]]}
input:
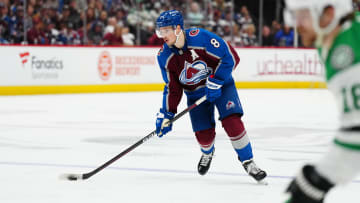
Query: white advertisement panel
{"points": [[59, 65], [77, 65], [260, 64]]}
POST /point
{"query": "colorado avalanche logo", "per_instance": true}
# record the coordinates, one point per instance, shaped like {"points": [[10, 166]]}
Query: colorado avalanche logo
{"points": [[193, 33], [194, 73]]}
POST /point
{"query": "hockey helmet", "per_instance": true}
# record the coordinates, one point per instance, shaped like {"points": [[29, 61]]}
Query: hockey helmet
{"points": [[169, 18]]}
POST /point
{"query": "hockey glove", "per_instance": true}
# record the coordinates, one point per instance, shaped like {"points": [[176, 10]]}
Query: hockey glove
{"points": [[162, 122], [308, 187], [213, 88]]}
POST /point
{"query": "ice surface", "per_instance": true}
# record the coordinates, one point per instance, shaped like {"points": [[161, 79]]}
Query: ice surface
{"points": [[42, 137]]}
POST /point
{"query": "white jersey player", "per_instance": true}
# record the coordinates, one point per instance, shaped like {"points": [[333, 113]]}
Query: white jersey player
{"points": [[333, 27]]}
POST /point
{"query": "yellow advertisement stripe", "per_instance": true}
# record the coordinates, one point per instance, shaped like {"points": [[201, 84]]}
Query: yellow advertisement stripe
{"points": [[65, 89]]}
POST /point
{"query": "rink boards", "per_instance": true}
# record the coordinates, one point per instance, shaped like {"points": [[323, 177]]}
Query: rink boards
{"points": [[75, 69]]}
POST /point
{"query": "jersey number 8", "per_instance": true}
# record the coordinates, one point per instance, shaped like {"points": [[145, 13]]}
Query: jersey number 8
{"points": [[215, 43]]}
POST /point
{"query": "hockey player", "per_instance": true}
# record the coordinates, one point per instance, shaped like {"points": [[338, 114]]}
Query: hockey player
{"points": [[334, 28], [200, 63]]}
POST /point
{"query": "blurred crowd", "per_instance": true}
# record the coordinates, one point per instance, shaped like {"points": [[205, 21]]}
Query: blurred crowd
{"points": [[128, 22]]}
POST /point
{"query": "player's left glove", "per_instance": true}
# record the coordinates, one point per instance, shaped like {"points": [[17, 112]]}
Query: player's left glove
{"points": [[213, 88], [162, 122], [308, 187]]}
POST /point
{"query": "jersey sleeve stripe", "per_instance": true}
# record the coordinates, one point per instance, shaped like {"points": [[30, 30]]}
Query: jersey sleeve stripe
{"points": [[231, 54], [168, 59], [168, 94], [204, 48], [217, 67], [213, 55], [168, 78]]}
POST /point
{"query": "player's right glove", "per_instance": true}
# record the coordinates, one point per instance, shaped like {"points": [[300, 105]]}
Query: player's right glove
{"points": [[308, 187], [162, 122], [213, 88]]}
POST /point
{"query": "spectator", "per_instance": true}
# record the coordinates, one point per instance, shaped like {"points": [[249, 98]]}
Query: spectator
{"points": [[110, 27], [5, 14], [69, 35], [147, 31], [245, 18], [36, 34], [103, 17], [226, 34], [127, 36], [155, 41], [51, 33], [74, 15], [95, 35], [15, 24], [237, 36], [64, 16], [99, 7], [267, 37], [215, 24], [275, 27], [195, 17], [284, 37], [121, 18], [114, 38], [155, 12], [52, 4], [3, 39], [248, 37], [90, 18], [57, 14]]}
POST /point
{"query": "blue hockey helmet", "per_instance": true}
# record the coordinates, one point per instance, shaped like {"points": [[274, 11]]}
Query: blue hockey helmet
{"points": [[170, 18]]}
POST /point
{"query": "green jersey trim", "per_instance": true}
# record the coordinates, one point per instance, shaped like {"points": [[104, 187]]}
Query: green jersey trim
{"points": [[344, 52], [350, 146]]}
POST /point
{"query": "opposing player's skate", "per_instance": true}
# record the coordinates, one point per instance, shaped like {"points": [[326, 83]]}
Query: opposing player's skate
{"points": [[204, 163], [253, 170]]}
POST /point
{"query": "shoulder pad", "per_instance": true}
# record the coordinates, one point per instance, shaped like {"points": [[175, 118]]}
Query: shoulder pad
{"points": [[198, 37], [195, 37]]}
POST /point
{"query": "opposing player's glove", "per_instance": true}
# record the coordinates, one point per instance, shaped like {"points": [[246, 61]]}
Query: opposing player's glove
{"points": [[213, 88], [308, 187], [162, 122]]}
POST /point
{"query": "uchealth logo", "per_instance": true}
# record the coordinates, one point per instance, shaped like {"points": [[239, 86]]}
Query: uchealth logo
{"points": [[24, 57], [104, 65]]}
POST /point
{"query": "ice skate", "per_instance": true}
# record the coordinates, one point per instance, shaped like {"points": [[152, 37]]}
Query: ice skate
{"points": [[253, 170], [204, 163]]}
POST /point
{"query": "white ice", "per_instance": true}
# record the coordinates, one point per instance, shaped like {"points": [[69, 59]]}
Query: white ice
{"points": [[44, 136]]}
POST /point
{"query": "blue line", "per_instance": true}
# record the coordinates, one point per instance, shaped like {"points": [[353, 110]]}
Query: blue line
{"points": [[138, 169]]}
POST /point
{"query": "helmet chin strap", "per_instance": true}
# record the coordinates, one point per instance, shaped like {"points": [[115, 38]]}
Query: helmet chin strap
{"points": [[179, 43]]}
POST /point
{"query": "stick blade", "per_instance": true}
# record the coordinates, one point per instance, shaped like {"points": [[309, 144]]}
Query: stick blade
{"points": [[71, 177]]}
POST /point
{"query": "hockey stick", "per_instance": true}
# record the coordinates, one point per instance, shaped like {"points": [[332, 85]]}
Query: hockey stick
{"points": [[84, 176]]}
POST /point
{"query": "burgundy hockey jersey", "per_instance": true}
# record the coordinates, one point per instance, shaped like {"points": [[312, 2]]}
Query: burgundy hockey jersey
{"points": [[186, 69]]}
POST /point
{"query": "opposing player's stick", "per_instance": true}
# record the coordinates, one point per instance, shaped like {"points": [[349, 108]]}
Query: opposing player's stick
{"points": [[84, 176]]}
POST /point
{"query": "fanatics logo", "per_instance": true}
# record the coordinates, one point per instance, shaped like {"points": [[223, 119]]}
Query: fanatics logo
{"points": [[24, 57], [104, 65], [229, 105]]}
